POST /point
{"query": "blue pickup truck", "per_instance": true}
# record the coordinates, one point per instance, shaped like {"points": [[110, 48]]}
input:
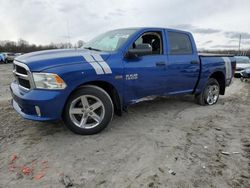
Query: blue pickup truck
{"points": [[85, 87]]}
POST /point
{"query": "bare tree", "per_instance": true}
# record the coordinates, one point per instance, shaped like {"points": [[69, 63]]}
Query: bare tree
{"points": [[23, 46], [80, 43]]}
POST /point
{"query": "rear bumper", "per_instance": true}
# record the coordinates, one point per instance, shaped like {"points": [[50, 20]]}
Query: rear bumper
{"points": [[50, 103]]}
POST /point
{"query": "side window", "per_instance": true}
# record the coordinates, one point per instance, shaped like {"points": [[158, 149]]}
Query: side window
{"points": [[152, 38], [179, 44]]}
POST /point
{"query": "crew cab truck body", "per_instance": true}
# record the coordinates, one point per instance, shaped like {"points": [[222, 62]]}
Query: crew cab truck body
{"points": [[84, 87]]}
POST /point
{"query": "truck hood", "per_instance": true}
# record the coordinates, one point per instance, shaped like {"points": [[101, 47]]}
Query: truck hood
{"points": [[39, 61]]}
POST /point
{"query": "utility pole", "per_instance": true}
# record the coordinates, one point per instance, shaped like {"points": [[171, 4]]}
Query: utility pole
{"points": [[239, 43]]}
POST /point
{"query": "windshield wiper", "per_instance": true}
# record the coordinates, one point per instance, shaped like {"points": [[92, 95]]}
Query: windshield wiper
{"points": [[90, 48]]}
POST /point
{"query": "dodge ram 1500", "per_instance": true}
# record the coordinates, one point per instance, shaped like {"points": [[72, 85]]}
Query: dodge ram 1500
{"points": [[85, 87]]}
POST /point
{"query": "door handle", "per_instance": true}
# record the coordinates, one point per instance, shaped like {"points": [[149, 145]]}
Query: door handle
{"points": [[160, 64], [194, 62]]}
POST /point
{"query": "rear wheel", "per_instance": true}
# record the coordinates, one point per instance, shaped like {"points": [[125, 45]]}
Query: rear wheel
{"points": [[88, 111], [210, 93]]}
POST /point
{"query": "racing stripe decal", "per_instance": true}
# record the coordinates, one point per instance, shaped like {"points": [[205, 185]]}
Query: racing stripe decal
{"points": [[228, 67], [103, 64], [95, 65]]}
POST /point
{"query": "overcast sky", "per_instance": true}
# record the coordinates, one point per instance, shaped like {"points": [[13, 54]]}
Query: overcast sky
{"points": [[215, 23]]}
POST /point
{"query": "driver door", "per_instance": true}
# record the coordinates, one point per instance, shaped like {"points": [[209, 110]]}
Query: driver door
{"points": [[145, 75]]}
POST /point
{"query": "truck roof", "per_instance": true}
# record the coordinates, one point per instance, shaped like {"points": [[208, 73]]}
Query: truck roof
{"points": [[152, 28]]}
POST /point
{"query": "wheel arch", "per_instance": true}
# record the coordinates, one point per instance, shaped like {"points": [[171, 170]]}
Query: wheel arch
{"points": [[220, 77], [110, 89]]}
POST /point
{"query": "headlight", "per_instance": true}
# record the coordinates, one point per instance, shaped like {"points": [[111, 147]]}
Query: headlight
{"points": [[48, 81]]}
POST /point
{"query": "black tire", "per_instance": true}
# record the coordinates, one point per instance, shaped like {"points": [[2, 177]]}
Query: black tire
{"points": [[99, 93], [202, 97]]}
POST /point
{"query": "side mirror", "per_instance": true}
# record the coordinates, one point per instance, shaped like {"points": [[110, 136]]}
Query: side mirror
{"points": [[140, 50]]}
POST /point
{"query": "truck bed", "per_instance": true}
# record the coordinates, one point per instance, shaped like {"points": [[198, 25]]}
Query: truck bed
{"points": [[220, 62]]}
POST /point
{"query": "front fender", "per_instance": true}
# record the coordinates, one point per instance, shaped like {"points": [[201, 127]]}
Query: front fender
{"points": [[76, 75]]}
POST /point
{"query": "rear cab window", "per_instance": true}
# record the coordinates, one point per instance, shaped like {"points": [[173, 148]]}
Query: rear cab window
{"points": [[179, 44]]}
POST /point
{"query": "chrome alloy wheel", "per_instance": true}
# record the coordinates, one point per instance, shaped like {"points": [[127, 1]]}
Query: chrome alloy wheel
{"points": [[87, 111], [212, 94]]}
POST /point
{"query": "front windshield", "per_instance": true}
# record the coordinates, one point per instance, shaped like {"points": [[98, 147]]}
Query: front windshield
{"points": [[110, 41]]}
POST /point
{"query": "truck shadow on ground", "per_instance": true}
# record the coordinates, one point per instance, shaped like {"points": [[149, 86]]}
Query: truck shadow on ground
{"points": [[151, 110]]}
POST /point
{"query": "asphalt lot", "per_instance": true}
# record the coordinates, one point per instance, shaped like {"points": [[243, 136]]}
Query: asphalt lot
{"points": [[167, 142]]}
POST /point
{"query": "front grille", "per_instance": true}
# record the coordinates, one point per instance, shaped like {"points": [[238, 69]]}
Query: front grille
{"points": [[22, 75], [21, 70], [24, 83]]}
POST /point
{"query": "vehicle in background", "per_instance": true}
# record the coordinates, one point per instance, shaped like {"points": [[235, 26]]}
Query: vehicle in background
{"points": [[84, 87], [9, 57], [245, 74], [18, 54], [242, 62], [1, 58]]}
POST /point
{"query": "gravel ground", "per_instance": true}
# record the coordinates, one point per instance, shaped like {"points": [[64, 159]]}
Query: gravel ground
{"points": [[167, 142]]}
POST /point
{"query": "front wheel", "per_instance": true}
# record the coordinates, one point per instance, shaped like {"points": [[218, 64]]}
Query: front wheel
{"points": [[210, 93], [88, 111]]}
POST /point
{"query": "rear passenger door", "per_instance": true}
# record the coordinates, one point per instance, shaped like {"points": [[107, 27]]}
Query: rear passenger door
{"points": [[183, 63]]}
